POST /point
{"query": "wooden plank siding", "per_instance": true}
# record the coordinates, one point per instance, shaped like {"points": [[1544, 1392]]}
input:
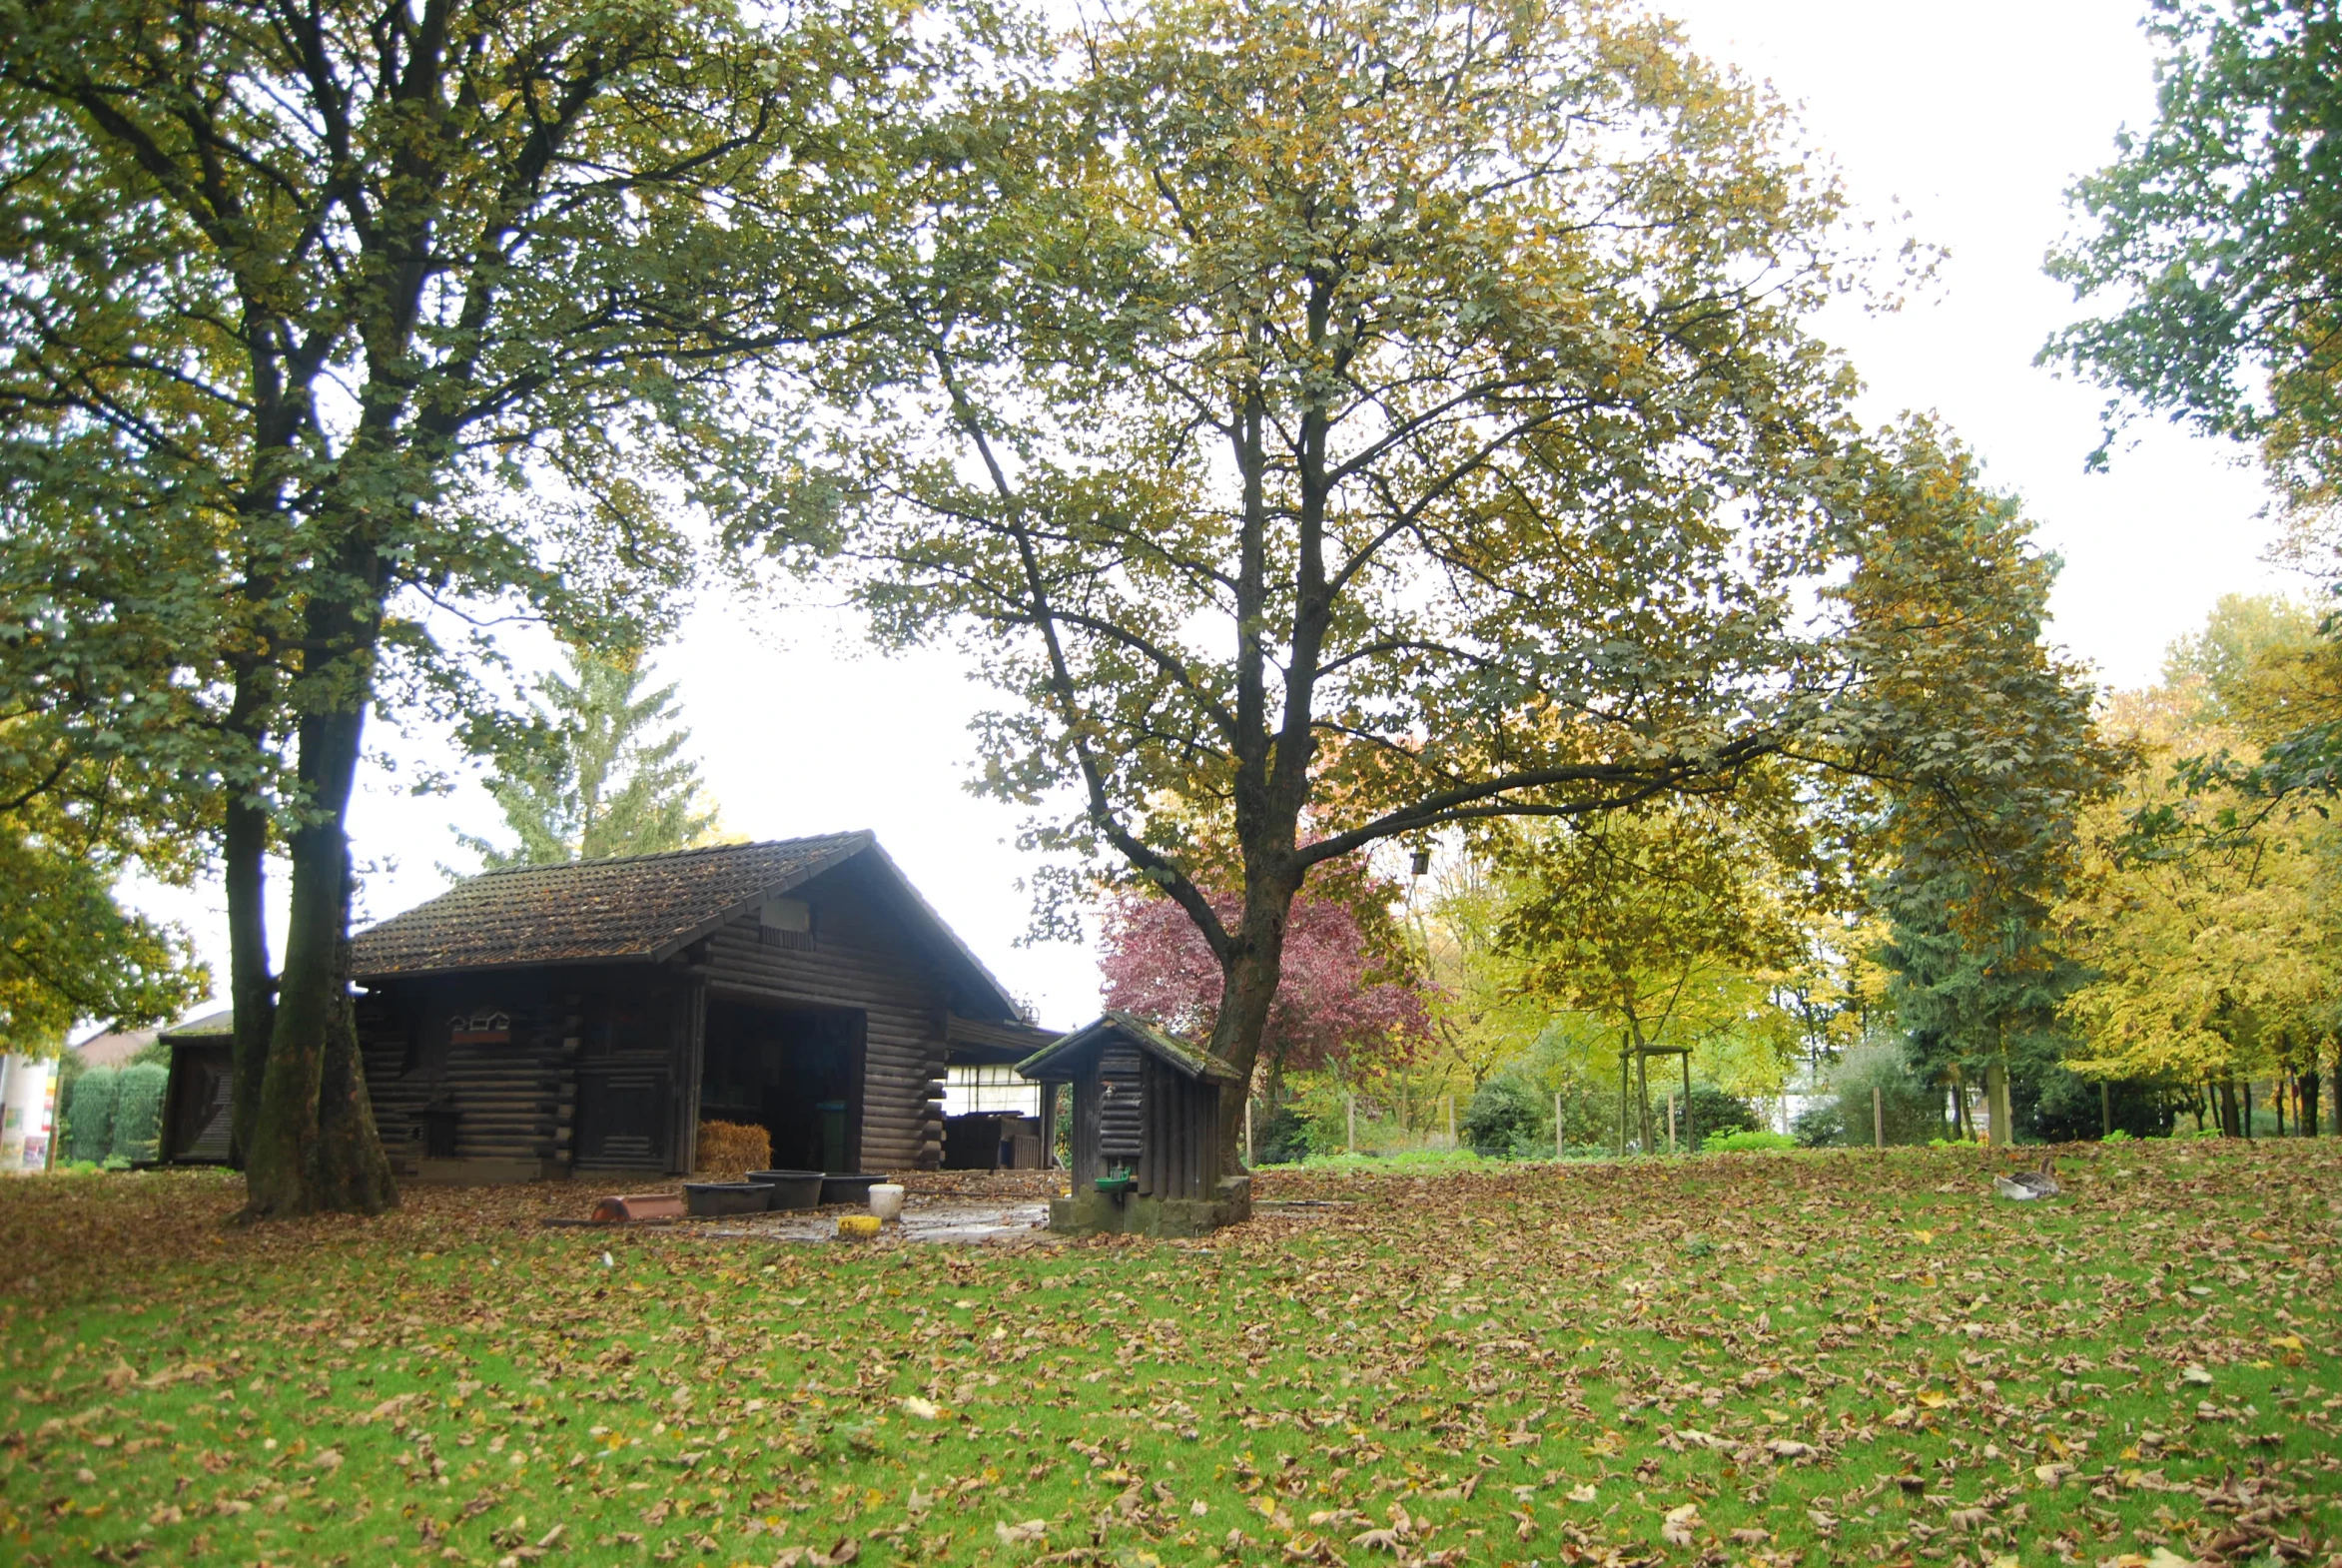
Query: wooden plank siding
{"points": [[1181, 1141], [859, 959]]}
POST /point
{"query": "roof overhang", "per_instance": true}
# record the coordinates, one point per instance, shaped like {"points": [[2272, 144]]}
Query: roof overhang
{"points": [[968, 1039]]}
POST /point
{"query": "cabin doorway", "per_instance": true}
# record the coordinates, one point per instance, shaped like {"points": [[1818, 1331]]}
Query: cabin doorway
{"points": [[795, 1071]]}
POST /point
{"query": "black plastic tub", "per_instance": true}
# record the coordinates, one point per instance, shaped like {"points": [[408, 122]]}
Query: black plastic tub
{"points": [[790, 1189], [705, 1198], [848, 1189]]}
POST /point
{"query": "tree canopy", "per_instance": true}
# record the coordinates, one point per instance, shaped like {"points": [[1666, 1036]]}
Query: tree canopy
{"points": [[404, 309], [1395, 416], [1344, 1000], [2215, 240]]}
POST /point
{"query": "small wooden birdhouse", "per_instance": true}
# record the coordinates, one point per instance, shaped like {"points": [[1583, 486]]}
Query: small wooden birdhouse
{"points": [[1146, 1110]]}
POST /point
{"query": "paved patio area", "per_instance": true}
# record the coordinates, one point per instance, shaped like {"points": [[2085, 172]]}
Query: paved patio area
{"points": [[964, 1220]]}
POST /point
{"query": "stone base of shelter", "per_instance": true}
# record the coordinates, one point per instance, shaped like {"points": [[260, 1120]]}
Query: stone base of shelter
{"points": [[1092, 1213]]}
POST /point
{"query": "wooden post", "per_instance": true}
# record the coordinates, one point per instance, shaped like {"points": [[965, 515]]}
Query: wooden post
{"points": [[1625, 1085], [1557, 1127], [1353, 1120], [1643, 1138], [1878, 1118], [2105, 1110], [1247, 1130], [1691, 1134], [1670, 1121]]}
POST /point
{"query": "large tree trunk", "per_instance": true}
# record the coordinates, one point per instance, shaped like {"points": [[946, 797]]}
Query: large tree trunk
{"points": [[314, 1146], [1996, 1103], [1249, 981], [252, 989]]}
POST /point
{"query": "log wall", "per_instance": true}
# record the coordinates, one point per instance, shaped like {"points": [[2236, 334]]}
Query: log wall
{"points": [[1181, 1139], [517, 1096]]}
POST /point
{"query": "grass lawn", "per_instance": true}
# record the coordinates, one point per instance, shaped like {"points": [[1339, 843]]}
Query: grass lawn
{"points": [[1816, 1358]]}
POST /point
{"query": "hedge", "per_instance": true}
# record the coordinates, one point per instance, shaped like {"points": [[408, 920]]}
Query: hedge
{"points": [[89, 1120], [138, 1114]]}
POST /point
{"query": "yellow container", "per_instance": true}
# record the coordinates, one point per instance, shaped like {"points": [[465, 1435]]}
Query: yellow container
{"points": [[857, 1227]]}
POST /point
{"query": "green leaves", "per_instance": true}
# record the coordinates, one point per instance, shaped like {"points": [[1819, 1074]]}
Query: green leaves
{"points": [[69, 952], [1343, 422], [2213, 240], [595, 776]]}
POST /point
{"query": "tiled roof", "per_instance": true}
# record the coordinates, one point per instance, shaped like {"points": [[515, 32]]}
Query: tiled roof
{"points": [[642, 907]]}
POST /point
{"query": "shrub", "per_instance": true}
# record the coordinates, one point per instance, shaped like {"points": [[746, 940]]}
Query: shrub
{"points": [[1819, 1125], [1747, 1141], [1713, 1112], [1914, 1112], [89, 1120], [730, 1149], [1501, 1115], [1589, 1113], [137, 1114], [1282, 1138]]}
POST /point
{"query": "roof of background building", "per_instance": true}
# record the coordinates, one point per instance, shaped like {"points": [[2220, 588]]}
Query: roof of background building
{"points": [[113, 1046]]}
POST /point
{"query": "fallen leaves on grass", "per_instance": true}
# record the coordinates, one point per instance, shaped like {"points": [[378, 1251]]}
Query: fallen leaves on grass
{"points": [[1863, 1360]]}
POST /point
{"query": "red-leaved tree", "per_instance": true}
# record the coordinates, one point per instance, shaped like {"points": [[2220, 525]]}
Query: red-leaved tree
{"points": [[1335, 1004]]}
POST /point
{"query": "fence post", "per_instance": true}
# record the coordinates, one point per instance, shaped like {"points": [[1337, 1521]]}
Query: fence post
{"points": [[1353, 1120], [1557, 1127], [1670, 1121], [1247, 1130], [1691, 1123], [1878, 1118]]}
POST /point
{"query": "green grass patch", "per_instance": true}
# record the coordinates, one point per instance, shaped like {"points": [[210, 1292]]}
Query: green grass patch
{"points": [[1828, 1357]]}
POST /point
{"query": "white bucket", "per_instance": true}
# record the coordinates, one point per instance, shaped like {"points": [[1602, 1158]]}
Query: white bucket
{"points": [[886, 1200]]}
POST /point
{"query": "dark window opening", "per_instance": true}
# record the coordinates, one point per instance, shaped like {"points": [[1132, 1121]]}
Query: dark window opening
{"points": [[795, 1071]]}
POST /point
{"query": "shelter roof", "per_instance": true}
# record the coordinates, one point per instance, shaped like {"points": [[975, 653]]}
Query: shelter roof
{"points": [[1061, 1060], [211, 1026]]}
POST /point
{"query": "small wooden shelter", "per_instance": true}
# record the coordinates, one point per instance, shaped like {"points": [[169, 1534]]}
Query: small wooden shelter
{"points": [[196, 1107], [1146, 1131]]}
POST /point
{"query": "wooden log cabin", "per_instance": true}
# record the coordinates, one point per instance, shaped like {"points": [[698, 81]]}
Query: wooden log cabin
{"points": [[549, 1020], [1147, 1119]]}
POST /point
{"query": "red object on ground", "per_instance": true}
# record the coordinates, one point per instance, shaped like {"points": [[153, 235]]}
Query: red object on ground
{"points": [[638, 1205]]}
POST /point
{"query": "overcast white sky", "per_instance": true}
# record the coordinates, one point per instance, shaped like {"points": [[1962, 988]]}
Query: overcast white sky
{"points": [[1974, 118]]}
